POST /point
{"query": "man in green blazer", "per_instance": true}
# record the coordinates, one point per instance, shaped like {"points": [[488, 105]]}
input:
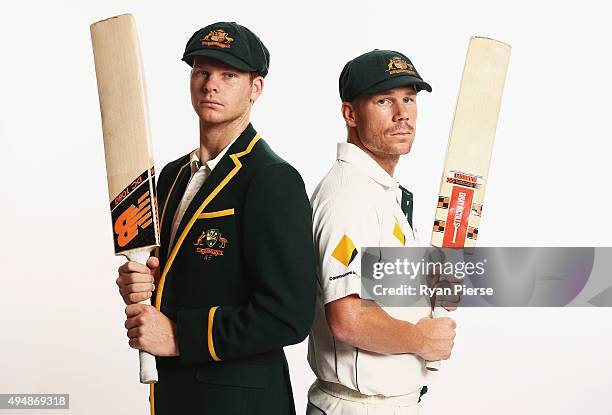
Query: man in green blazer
{"points": [[235, 273]]}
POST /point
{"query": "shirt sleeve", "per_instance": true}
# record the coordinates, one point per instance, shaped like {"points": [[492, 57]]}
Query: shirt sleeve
{"points": [[342, 226]]}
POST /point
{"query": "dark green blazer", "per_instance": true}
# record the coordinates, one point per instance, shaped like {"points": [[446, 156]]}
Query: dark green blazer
{"points": [[239, 283]]}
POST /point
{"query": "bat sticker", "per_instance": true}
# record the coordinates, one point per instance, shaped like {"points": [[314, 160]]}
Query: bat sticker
{"points": [[132, 213]]}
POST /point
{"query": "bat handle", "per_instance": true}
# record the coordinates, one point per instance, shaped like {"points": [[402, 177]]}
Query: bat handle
{"points": [[148, 369], [437, 312]]}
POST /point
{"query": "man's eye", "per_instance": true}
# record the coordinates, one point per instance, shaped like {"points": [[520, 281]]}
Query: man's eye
{"points": [[409, 100], [230, 75], [383, 101]]}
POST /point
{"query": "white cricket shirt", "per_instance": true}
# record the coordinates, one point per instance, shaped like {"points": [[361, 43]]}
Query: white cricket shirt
{"points": [[357, 204]]}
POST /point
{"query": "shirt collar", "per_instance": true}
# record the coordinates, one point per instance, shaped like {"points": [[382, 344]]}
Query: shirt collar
{"points": [[352, 154], [194, 158]]}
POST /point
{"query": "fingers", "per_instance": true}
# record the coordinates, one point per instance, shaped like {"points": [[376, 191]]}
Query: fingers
{"points": [[134, 298], [137, 315], [137, 291], [439, 335], [136, 281], [445, 348], [450, 300], [133, 322], [447, 355], [439, 350], [135, 343], [132, 266], [136, 309], [132, 278], [153, 263], [433, 280], [140, 322], [450, 323], [134, 332], [138, 287]]}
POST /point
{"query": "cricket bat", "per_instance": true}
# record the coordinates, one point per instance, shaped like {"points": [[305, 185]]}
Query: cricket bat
{"points": [[470, 145], [127, 146]]}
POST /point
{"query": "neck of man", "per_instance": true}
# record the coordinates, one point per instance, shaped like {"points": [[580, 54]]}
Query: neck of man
{"points": [[215, 137], [386, 161]]}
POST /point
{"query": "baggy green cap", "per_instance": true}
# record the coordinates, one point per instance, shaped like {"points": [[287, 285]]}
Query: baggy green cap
{"points": [[230, 43], [377, 71]]}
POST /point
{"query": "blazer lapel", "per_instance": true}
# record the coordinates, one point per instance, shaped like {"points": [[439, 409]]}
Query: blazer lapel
{"points": [[221, 171], [171, 204], [229, 165]]}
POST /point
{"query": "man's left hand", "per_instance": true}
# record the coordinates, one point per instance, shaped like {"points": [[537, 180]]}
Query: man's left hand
{"points": [[150, 330]]}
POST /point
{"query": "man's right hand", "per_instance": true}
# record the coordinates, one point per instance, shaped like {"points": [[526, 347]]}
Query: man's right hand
{"points": [[136, 281], [438, 338]]}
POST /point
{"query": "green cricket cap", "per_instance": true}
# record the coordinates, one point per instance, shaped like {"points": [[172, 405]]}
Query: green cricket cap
{"points": [[230, 43], [377, 71]]}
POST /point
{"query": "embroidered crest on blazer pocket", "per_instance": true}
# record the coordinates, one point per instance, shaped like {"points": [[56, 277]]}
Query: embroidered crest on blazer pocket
{"points": [[212, 240]]}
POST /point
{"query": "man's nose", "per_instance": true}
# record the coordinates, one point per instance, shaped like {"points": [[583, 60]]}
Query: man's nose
{"points": [[211, 84], [402, 113]]}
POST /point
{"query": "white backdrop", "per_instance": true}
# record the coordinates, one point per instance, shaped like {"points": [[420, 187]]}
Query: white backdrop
{"points": [[61, 318]]}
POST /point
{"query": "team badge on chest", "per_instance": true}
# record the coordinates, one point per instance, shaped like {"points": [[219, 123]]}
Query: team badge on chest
{"points": [[210, 243]]}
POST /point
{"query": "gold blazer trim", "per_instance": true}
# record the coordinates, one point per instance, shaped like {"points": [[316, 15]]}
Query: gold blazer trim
{"points": [[235, 157], [216, 214]]}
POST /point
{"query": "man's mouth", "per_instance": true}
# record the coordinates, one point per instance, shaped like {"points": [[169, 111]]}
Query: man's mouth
{"points": [[210, 103]]}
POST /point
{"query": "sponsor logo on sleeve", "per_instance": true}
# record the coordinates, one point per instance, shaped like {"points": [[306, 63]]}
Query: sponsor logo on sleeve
{"points": [[345, 251]]}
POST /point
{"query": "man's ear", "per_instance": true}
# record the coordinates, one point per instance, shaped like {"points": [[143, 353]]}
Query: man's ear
{"points": [[256, 87], [348, 113]]}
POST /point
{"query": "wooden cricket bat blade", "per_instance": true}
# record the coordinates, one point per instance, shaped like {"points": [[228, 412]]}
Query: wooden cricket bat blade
{"points": [[469, 150], [127, 146]]}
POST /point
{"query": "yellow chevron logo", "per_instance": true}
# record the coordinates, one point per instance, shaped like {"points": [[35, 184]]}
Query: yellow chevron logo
{"points": [[397, 232]]}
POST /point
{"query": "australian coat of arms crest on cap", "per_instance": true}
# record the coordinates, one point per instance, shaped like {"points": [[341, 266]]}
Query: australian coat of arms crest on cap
{"points": [[218, 38], [397, 64]]}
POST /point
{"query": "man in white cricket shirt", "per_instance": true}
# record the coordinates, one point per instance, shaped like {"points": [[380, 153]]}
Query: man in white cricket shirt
{"points": [[367, 358]]}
